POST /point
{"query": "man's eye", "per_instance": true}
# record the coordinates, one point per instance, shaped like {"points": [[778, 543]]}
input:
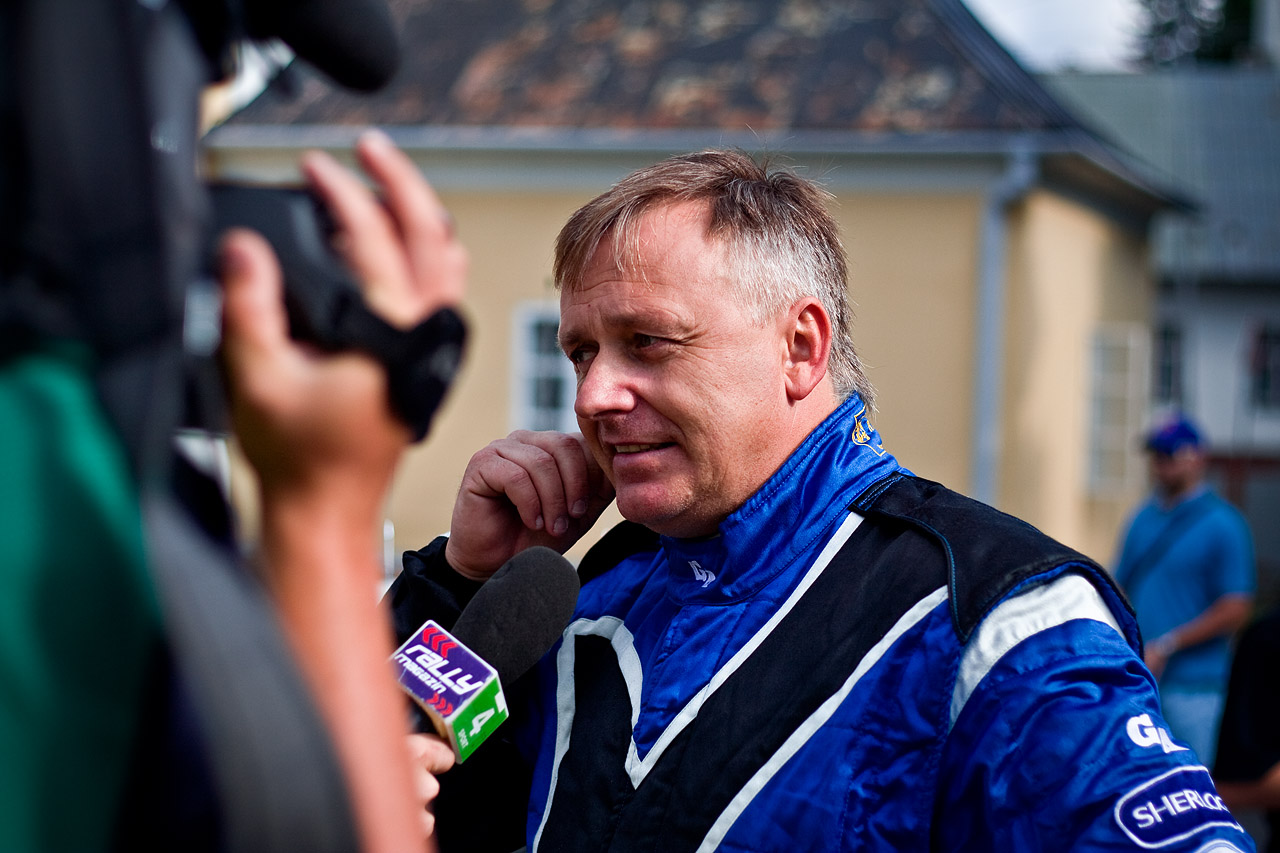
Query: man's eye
{"points": [[642, 341], [580, 356]]}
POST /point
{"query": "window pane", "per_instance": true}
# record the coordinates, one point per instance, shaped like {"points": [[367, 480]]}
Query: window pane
{"points": [[541, 419], [1168, 365], [544, 337], [548, 392], [542, 379], [1118, 398]]}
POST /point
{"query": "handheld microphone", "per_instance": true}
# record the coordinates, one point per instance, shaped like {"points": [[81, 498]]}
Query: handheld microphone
{"points": [[456, 676]]}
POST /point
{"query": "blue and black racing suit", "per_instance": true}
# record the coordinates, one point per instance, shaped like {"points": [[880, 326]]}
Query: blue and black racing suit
{"points": [[860, 660]]}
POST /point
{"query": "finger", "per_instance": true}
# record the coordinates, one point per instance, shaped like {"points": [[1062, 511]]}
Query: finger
{"points": [[256, 346], [414, 205], [431, 752], [428, 786], [496, 475], [427, 789], [557, 471], [600, 491], [587, 488], [353, 206], [437, 261], [578, 471], [368, 240], [253, 307]]}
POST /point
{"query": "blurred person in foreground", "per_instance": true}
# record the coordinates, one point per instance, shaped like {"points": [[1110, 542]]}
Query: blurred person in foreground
{"points": [[325, 444], [1247, 767], [117, 742], [1186, 563], [792, 643], [159, 690]]}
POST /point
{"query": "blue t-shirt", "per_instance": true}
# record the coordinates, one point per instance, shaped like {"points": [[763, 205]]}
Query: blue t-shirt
{"points": [[1175, 562]]}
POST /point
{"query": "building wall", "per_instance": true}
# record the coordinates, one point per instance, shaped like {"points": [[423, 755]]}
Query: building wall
{"points": [[1220, 326], [1071, 272], [913, 262]]}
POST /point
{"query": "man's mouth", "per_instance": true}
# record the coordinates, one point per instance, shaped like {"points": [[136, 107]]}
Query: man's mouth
{"points": [[637, 448]]}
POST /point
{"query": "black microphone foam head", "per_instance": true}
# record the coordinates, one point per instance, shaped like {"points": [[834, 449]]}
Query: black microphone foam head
{"points": [[354, 42], [520, 612]]}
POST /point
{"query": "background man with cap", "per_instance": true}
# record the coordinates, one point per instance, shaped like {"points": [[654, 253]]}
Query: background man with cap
{"points": [[1187, 565]]}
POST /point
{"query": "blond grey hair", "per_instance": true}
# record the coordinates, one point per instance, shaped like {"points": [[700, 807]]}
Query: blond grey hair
{"points": [[782, 241]]}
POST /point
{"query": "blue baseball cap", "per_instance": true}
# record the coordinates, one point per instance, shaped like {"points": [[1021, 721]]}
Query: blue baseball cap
{"points": [[1173, 435]]}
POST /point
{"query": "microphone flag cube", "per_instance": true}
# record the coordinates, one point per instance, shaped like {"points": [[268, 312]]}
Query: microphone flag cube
{"points": [[457, 690]]}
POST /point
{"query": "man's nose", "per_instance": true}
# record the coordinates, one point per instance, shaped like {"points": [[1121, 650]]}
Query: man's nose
{"points": [[605, 388]]}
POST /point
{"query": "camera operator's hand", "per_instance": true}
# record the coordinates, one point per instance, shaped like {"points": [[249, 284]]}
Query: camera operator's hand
{"points": [[318, 429], [304, 417]]}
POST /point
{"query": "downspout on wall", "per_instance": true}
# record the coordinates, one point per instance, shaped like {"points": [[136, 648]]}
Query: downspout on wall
{"points": [[1020, 174]]}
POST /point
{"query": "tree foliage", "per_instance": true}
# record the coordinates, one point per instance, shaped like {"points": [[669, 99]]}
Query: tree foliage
{"points": [[1183, 32]]}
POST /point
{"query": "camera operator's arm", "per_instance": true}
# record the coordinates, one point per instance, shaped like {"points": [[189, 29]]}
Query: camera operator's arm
{"points": [[318, 429]]}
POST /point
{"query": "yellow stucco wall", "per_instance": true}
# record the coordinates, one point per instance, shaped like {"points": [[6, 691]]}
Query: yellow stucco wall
{"points": [[1070, 271], [912, 261]]}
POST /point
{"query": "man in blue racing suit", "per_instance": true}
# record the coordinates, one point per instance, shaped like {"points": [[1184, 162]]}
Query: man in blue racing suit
{"points": [[792, 643]]}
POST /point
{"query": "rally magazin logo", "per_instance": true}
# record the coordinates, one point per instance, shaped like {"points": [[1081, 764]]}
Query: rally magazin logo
{"points": [[437, 640], [459, 691]]}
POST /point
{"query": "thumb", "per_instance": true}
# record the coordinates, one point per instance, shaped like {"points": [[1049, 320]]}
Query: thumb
{"points": [[253, 308]]}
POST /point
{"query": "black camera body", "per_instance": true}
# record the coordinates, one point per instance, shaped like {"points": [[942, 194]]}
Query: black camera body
{"points": [[299, 228], [325, 306]]}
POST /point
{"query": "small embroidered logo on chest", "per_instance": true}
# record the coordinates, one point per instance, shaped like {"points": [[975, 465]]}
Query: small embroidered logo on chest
{"points": [[707, 578]]}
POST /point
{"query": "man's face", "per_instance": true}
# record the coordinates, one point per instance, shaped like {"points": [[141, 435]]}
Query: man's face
{"points": [[681, 396], [1177, 472]]}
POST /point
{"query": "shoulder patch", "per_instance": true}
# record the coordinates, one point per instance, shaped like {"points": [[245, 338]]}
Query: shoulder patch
{"points": [[1174, 806]]}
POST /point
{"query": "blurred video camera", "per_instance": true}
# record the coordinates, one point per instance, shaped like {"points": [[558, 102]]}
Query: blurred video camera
{"points": [[106, 229]]}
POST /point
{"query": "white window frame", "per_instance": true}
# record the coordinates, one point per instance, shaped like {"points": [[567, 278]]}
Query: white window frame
{"points": [[1169, 364], [1119, 374], [529, 366], [1264, 348]]}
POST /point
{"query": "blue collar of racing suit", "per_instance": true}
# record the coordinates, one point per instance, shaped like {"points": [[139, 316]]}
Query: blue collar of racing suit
{"points": [[801, 502]]}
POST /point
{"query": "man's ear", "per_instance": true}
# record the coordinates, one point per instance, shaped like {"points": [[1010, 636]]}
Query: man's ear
{"points": [[807, 330]]}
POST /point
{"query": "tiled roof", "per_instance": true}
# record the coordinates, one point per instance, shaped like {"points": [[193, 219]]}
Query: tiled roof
{"points": [[913, 66]]}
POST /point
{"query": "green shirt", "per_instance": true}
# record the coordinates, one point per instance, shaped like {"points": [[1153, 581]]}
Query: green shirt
{"points": [[79, 619]]}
